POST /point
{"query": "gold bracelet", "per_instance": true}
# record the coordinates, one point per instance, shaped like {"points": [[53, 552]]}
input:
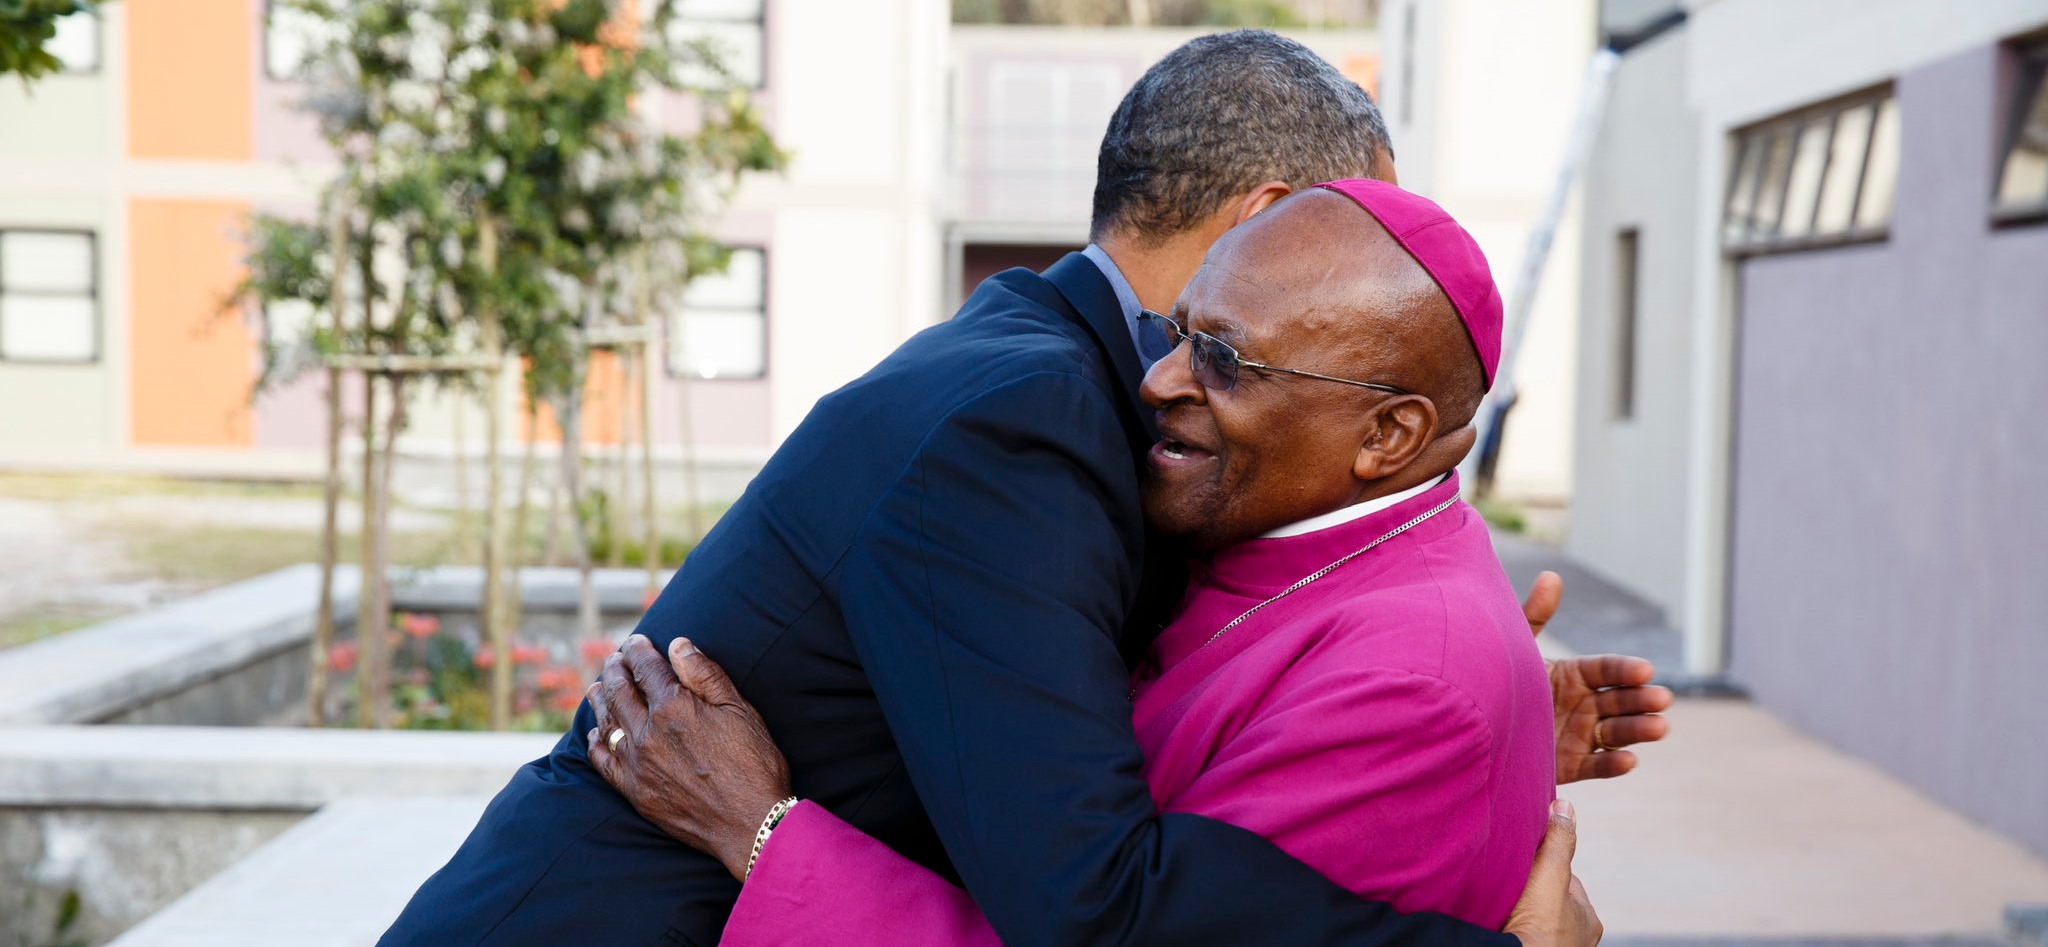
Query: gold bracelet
{"points": [[775, 814]]}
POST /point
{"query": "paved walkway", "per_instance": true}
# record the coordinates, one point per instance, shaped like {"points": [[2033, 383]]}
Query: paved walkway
{"points": [[1596, 616], [1739, 829], [1740, 826]]}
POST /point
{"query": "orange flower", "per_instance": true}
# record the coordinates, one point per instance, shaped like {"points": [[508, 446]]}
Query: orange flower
{"points": [[342, 657], [567, 701], [419, 626], [529, 654], [485, 658]]}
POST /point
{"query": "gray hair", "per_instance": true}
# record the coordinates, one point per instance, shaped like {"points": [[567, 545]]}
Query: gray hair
{"points": [[1220, 115]]}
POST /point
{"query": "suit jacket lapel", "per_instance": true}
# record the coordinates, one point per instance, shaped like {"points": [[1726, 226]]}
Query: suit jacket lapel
{"points": [[1093, 300]]}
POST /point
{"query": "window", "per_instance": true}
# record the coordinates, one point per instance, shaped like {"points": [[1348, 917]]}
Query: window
{"points": [[733, 29], [77, 43], [1625, 292], [722, 331], [49, 296], [1820, 176], [2023, 174], [290, 36]]}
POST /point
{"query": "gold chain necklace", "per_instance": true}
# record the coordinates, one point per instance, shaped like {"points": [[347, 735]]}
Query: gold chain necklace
{"points": [[1311, 577]]}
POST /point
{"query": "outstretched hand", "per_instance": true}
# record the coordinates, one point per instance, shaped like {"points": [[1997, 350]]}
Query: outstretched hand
{"points": [[1600, 703], [691, 756]]}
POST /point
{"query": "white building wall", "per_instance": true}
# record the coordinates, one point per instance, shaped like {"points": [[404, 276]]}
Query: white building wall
{"points": [[857, 237], [1629, 505], [1743, 60], [1479, 120]]}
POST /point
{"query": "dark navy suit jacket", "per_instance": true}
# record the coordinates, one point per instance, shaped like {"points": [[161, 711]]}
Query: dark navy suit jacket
{"points": [[928, 593]]}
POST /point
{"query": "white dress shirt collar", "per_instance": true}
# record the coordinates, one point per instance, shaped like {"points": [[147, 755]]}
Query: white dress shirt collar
{"points": [[1352, 512]]}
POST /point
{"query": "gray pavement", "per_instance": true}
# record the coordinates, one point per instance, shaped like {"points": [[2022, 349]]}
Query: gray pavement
{"points": [[1740, 830], [1597, 615], [1738, 827]]}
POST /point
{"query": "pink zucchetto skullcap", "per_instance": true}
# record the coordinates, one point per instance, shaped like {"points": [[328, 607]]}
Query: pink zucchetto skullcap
{"points": [[1445, 250]]}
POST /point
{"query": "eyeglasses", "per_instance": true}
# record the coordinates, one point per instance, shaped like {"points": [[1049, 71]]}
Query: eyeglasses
{"points": [[1214, 362]]}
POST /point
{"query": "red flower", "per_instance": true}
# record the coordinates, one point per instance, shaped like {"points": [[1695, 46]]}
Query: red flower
{"points": [[561, 677], [485, 658], [419, 626], [567, 701], [529, 654], [342, 657], [594, 650]]}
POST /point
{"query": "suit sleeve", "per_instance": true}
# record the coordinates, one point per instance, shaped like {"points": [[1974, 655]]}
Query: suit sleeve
{"points": [[984, 595]]}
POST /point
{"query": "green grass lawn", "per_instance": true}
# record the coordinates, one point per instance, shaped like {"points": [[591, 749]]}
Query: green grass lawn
{"points": [[72, 487], [192, 554], [44, 621]]}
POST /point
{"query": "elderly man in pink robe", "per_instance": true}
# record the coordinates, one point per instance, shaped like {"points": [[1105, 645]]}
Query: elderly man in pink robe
{"points": [[1349, 674]]}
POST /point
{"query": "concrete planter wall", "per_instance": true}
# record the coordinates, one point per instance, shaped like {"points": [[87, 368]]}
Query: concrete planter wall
{"points": [[237, 655], [154, 760]]}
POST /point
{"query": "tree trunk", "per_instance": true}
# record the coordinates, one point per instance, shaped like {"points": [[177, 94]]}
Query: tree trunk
{"points": [[465, 528], [515, 608], [687, 441], [551, 551], [650, 522], [571, 413], [317, 675], [369, 637], [497, 630], [616, 509], [570, 410], [649, 513], [381, 543]]}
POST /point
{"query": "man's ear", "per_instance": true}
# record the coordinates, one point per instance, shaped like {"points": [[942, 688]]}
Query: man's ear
{"points": [[1402, 427], [1383, 166], [1259, 198]]}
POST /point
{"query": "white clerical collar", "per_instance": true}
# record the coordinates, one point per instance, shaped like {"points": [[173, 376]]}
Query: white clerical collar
{"points": [[1352, 512]]}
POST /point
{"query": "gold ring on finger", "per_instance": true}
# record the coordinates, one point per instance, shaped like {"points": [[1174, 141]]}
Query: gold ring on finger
{"points": [[619, 733], [1599, 741]]}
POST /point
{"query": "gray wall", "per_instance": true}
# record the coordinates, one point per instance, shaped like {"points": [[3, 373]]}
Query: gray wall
{"points": [[123, 864], [1889, 585], [1629, 494]]}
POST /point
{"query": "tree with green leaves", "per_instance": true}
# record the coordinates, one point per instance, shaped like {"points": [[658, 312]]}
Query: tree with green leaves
{"points": [[504, 195]]}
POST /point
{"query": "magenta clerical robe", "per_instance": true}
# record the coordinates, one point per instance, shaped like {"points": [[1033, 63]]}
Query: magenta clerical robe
{"points": [[1389, 725]]}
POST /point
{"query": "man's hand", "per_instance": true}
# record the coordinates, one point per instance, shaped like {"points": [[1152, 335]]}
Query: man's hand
{"points": [[1600, 702], [694, 758], [1553, 910]]}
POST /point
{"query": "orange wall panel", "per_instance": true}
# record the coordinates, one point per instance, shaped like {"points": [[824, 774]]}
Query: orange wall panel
{"points": [[190, 368], [1364, 70], [190, 70], [604, 393]]}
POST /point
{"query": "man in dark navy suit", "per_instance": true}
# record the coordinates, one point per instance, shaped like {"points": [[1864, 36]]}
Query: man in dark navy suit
{"points": [[929, 589]]}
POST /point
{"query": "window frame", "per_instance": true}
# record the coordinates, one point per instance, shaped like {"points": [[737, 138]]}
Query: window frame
{"points": [[759, 20], [1763, 134], [673, 323], [1628, 305], [92, 248], [2028, 82]]}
